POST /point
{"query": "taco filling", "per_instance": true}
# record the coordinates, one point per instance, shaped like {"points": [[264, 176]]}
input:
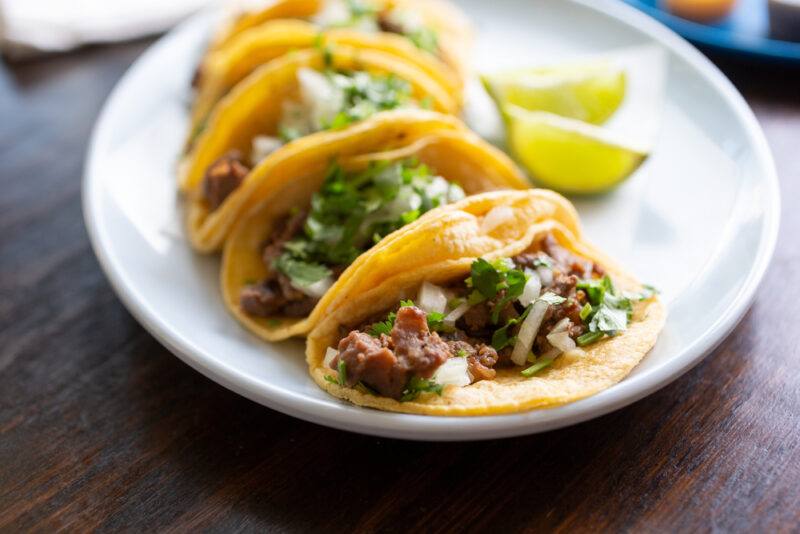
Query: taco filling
{"points": [[367, 17], [328, 100], [309, 249], [524, 311]]}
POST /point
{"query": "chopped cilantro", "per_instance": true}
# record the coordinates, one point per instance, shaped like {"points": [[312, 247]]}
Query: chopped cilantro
{"points": [[420, 385], [514, 285], [461, 353], [331, 379], [303, 274], [424, 39], [501, 339], [435, 321], [586, 311], [536, 367], [351, 211], [589, 337], [342, 368], [609, 320], [485, 278]]}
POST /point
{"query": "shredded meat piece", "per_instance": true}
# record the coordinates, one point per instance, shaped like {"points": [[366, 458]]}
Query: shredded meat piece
{"points": [[285, 229], [386, 24], [223, 177], [387, 363], [567, 262], [276, 297]]}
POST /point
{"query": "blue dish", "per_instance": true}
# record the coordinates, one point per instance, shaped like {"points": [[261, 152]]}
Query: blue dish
{"points": [[744, 32]]}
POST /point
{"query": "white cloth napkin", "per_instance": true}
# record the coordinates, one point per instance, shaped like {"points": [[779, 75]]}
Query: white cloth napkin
{"points": [[30, 27]]}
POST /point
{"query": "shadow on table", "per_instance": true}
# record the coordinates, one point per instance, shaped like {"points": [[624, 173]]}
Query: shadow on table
{"points": [[229, 462]]}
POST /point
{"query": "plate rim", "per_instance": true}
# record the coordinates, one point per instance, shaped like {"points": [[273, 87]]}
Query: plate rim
{"points": [[441, 428]]}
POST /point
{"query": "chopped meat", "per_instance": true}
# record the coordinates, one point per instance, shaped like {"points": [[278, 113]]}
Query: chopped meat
{"points": [[223, 177], [285, 229], [478, 319], [421, 350], [387, 363], [276, 297], [531, 260], [567, 262], [388, 25], [481, 358], [564, 285]]}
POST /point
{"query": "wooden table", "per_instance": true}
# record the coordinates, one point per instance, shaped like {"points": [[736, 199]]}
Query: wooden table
{"points": [[101, 427]]}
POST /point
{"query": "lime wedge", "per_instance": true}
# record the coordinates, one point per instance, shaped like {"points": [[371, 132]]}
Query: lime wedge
{"points": [[589, 92], [570, 155]]}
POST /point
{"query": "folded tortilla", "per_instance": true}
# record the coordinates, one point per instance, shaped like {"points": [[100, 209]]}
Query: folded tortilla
{"points": [[222, 69], [453, 238], [457, 155], [452, 27], [255, 106]]}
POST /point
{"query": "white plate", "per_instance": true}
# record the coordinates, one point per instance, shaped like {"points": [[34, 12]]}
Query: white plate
{"points": [[699, 220]]}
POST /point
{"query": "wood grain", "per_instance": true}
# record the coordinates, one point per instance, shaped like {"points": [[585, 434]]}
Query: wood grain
{"points": [[101, 428]]}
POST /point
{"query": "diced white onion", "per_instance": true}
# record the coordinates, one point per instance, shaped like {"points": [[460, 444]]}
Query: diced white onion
{"points": [[431, 298], [317, 289], [451, 318], [321, 96], [263, 146], [437, 188], [330, 354], [527, 332], [496, 216], [455, 372], [533, 287], [561, 341], [455, 193], [545, 275], [561, 325]]}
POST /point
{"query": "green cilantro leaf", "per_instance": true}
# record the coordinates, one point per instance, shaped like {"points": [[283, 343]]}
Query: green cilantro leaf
{"points": [[536, 367], [515, 281], [485, 278], [420, 385], [589, 337], [302, 274]]}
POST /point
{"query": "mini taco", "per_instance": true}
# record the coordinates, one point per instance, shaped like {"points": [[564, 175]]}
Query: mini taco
{"points": [[517, 312], [309, 229], [222, 69], [435, 27], [303, 100]]}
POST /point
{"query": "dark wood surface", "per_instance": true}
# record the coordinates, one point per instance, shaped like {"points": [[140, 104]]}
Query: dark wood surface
{"points": [[102, 428]]}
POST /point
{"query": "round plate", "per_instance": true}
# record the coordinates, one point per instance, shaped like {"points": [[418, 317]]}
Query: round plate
{"points": [[699, 219], [745, 31]]}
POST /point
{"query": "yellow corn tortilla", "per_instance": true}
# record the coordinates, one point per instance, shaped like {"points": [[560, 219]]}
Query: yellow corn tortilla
{"points": [[457, 155], [455, 232], [451, 26], [222, 69], [254, 108]]}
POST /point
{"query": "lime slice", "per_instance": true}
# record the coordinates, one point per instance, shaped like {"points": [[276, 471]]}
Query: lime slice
{"points": [[590, 92], [570, 155]]}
